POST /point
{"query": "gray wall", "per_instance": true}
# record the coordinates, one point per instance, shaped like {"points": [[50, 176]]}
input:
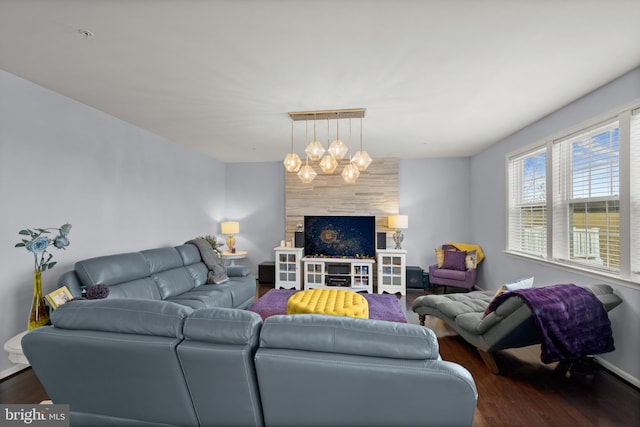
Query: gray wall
{"points": [[255, 197], [125, 189], [488, 201], [122, 189], [435, 194]]}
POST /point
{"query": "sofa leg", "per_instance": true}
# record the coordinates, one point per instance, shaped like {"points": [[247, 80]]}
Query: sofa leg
{"points": [[489, 361], [422, 318]]}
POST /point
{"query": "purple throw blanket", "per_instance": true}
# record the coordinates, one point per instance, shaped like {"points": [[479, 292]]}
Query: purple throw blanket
{"points": [[572, 321]]}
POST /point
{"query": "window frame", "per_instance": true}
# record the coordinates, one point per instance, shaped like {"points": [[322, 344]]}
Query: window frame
{"points": [[624, 276]]}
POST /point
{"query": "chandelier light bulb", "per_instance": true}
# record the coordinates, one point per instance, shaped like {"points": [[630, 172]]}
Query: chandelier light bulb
{"points": [[292, 162], [314, 151], [306, 174], [328, 164], [338, 149], [361, 160], [350, 173]]}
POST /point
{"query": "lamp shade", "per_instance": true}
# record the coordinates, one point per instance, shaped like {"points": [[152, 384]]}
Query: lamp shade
{"points": [[230, 227], [398, 221]]}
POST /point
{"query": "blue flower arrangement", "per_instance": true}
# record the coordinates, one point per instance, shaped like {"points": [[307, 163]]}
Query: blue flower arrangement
{"points": [[40, 242]]}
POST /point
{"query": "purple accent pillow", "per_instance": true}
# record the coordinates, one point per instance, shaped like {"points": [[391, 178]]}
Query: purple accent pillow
{"points": [[454, 260]]}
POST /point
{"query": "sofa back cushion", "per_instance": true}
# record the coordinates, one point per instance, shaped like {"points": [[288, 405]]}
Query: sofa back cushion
{"points": [[217, 360], [157, 274], [173, 282], [112, 269], [115, 362], [338, 366], [346, 335], [127, 316]]}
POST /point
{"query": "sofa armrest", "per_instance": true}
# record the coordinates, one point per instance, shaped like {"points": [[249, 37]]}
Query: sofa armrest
{"points": [[238, 271], [471, 275]]}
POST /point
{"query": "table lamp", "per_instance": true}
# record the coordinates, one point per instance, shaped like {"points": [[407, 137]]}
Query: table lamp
{"points": [[398, 222], [230, 228]]}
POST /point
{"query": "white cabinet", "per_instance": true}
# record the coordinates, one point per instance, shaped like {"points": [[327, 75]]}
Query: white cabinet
{"points": [[392, 271], [288, 267], [338, 273]]}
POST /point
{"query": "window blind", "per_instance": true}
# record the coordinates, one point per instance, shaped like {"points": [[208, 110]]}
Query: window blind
{"points": [[635, 194], [586, 197], [527, 203]]}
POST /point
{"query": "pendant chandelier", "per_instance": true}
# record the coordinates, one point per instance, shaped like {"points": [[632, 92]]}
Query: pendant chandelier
{"points": [[327, 159]]}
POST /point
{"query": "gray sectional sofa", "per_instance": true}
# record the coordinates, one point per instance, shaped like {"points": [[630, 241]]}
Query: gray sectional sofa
{"points": [[175, 274], [152, 363], [167, 349]]}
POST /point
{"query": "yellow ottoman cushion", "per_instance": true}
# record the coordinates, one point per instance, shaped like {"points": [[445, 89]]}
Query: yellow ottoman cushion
{"points": [[336, 302]]}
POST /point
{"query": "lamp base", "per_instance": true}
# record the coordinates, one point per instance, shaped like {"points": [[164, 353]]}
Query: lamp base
{"points": [[231, 244], [398, 237]]}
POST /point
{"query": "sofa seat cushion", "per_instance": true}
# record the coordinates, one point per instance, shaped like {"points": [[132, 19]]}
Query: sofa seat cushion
{"points": [[466, 310], [443, 273], [203, 297], [240, 290], [144, 288]]}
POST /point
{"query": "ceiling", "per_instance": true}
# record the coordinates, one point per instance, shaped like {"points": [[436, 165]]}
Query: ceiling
{"points": [[437, 78]]}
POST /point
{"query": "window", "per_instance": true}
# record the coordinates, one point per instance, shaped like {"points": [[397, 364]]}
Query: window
{"points": [[586, 197], [528, 203], [634, 191], [585, 219]]}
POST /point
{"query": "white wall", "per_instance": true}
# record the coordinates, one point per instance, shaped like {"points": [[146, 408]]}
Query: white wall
{"points": [[488, 201], [122, 189]]}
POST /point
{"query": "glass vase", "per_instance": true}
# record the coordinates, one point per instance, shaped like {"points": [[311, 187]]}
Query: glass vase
{"points": [[38, 315]]}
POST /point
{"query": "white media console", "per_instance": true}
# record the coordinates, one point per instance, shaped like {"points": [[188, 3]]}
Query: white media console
{"points": [[348, 273], [293, 270]]}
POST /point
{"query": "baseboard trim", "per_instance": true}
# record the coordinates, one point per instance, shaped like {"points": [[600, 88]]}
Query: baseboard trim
{"points": [[619, 372], [12, 370]]}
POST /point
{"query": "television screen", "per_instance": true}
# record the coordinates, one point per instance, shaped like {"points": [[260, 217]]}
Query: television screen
{"points": [[340, 236]]}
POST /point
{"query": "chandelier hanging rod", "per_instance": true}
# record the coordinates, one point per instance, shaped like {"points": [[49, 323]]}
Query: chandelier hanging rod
{"points": [[351, 113]]}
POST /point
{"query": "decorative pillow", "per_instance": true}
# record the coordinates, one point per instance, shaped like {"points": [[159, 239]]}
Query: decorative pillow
{"points": [[454, 260], [471, 260], [518, 284], [97, 291], [439, 257], [513, 286]]}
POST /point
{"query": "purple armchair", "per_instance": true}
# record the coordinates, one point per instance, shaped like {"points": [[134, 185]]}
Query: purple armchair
{"points": [[454, 270], [446, 277]]}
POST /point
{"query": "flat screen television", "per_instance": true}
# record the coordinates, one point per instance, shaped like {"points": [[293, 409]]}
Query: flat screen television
{"points": [[340, 236]]}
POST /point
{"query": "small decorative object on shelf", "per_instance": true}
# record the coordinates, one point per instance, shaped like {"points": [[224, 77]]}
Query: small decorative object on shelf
{"points": [[37, 245]]}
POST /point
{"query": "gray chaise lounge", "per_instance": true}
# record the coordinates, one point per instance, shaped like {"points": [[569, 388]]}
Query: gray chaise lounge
{"points": [[512, 325]]}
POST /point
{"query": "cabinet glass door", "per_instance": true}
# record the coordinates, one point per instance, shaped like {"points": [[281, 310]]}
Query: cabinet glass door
{"points": [[314, 273]]}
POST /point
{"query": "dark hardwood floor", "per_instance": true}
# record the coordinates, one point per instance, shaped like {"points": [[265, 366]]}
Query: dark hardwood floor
{"points": [[527, 393]]}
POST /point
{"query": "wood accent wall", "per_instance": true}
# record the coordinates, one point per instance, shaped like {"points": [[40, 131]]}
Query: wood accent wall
{"points": [[374, 193]]}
